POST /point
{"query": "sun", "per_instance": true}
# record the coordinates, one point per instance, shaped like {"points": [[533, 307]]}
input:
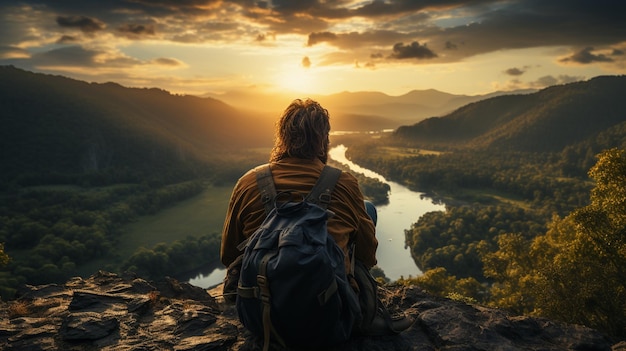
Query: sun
{"points": [[297, 79]]}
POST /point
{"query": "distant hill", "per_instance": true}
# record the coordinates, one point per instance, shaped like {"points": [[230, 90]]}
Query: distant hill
{"points": [[548, 120], [365, 110], [56, 124]]}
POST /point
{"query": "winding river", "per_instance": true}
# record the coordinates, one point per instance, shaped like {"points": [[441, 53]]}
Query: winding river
{"points": [[404, 208]]}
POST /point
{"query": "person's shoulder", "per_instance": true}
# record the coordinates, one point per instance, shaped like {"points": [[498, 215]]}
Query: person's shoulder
{"points": [[249, 178], [347, 179], [253, 171]]}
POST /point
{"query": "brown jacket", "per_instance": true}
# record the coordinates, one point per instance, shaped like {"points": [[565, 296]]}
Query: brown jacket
{"points": [[246, 213]]}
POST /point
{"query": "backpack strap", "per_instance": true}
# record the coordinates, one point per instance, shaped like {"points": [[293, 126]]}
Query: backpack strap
{"points": [[265, 183], [320, 194]]}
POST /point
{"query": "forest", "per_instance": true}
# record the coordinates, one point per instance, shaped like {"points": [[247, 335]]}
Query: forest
{"points": [[534, 187]]}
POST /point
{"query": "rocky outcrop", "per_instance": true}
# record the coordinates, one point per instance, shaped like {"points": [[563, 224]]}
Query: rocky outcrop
{"points": [[113, 312]]}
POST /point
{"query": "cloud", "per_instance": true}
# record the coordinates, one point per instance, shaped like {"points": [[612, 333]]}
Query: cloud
{"points": [[164, 61], [547, 81], [136, 31], [306, 62], [320, 37], [586, 56], [414, 50], [11, 52], [514, 71], [66, 56], [84, 23], [356, 31], [67, 39], [451, 46]]}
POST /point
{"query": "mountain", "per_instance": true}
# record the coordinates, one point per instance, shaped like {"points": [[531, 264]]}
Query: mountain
{"points": [[365, 110], [548, 120], [56, 124]]}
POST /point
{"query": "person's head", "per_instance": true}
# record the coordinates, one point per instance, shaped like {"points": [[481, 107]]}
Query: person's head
{"points": [[302, 132]]}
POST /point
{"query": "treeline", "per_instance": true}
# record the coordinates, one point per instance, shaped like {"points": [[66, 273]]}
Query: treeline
{"points": [[49, 232], [175, 258], [535, 178], [373, 189], [456, 239]]}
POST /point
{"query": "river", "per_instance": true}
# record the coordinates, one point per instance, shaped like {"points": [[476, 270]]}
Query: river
{"points": [[405, 207]]}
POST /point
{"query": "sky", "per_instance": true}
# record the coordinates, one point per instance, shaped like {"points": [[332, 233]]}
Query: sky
{"points": [[199, 47]]}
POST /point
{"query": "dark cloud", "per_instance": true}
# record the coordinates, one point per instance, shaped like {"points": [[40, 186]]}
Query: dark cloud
{"points": [[547, 81], [136, 30], [414, 50], [378, 8], [10, 52], [84, 23], [164, 61], [316, 38], [586, 56], [67, 39], [451, 46], [514, 71], [66, 56]]}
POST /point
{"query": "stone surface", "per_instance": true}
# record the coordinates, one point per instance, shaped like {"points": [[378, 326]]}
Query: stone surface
{"points": [[124, 312]]}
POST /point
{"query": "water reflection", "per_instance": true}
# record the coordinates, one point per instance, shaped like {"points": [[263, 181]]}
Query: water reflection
{"points": [[405, 207]]}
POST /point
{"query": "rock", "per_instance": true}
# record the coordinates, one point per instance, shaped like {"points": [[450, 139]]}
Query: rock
{"points": [[124, 312]]}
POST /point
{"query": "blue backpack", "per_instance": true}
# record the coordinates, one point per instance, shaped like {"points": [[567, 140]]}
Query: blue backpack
{"points": [[293, 288]]}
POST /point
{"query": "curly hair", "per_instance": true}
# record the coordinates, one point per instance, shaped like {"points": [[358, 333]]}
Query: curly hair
{"points": [[302, 131]]}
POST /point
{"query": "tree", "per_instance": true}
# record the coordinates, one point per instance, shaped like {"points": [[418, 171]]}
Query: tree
{"points": [[575, 272], [4, 258], [598, 251]]}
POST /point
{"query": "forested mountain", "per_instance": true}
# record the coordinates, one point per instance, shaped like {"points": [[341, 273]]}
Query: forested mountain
{"points": [[52, 124], [545, 121]]}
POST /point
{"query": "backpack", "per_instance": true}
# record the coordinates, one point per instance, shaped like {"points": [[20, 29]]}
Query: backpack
{"points": [[293, 288]]}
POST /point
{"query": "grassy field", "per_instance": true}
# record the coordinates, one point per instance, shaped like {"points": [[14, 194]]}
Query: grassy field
{"points": [[202, 214], [403, 151], [199, 215]]}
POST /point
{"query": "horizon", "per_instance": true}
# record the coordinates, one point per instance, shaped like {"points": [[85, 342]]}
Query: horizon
{"points": [[210, 47]]}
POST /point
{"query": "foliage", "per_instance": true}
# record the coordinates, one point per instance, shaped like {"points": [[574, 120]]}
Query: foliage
{"points": [[373, 189], [575, 272], [437, 281], [4, 258], [52, 231], [456, 239], [178, 257]]}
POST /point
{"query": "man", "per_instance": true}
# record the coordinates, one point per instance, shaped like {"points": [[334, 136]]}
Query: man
{"points": [[297, 159]]}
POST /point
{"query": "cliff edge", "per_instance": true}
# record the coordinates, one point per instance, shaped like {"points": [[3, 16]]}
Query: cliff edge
{"points": [[124, 312]]}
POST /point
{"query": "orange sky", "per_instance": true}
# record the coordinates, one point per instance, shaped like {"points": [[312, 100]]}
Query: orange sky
{"points": [[317, 47]]}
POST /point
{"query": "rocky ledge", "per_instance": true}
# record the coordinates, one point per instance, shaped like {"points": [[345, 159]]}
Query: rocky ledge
{"points": [[123, 312]]}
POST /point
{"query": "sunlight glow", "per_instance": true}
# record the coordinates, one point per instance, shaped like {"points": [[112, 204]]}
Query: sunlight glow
{"points": [[296, 79]]}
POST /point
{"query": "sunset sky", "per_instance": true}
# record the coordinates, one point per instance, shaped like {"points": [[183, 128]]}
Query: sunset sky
{"points": [[316, 46]]}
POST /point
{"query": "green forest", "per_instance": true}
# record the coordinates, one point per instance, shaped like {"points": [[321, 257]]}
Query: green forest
{"points": [[534, 187]]}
